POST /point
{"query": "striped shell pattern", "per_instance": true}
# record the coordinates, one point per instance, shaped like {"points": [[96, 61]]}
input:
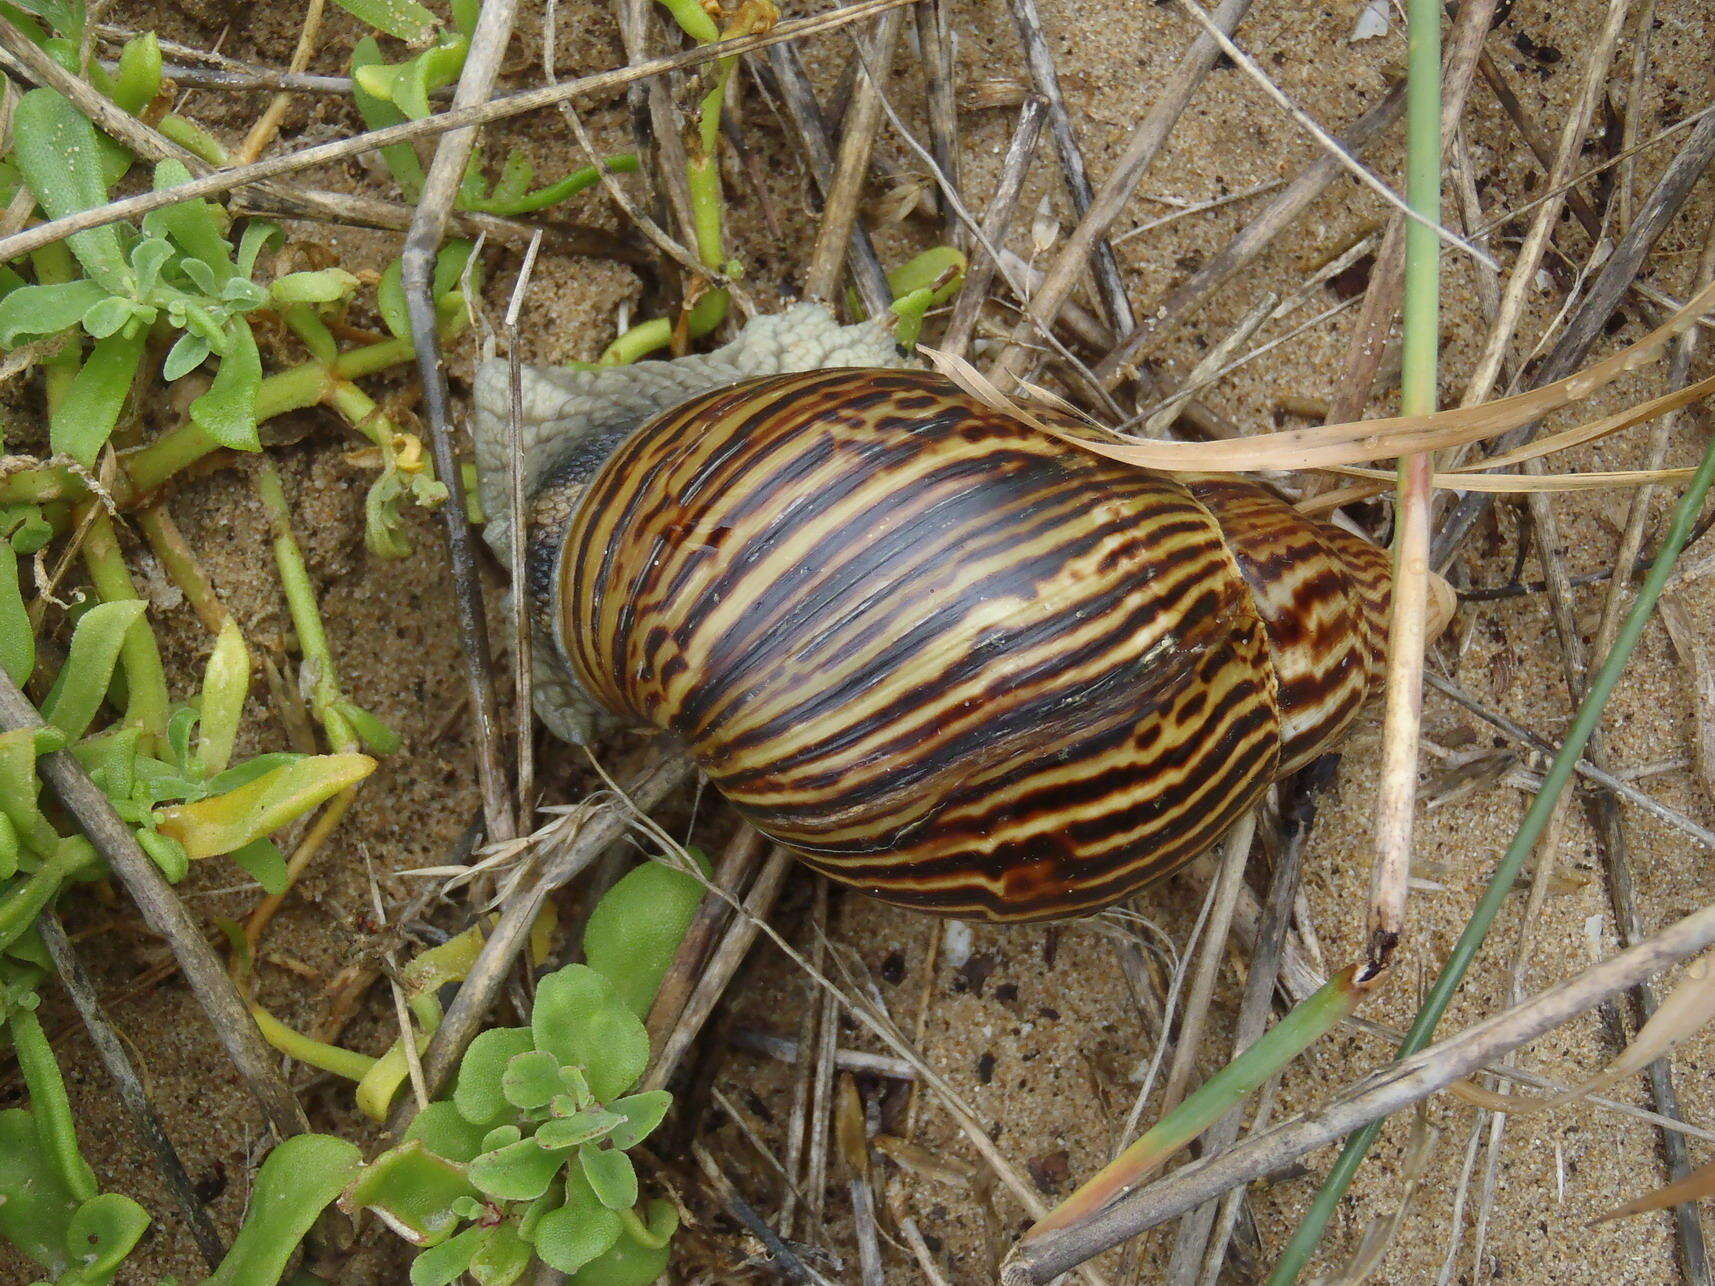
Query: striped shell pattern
{"points": [[947, 657]]}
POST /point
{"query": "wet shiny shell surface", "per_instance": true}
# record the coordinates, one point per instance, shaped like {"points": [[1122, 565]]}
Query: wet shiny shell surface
{"points": [[944, 655]]}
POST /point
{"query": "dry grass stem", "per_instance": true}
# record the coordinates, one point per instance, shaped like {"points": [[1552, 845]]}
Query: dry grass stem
{"points": [[785, 1050], [1211, 365], [1600, 300], [458, 117], [1601, 776], [1352, 165], [1200, 1247], [1095, 254], [1379, 1095], [997, 223], [935, 48], [523, 669], [863, 120], [1368, 341], [266, 126], [453, 150], [719, 970], [1230, 874], [1306, 187], [920, 1251], [792, 87], [737, 863], [1522, 279], [145, 1119], [659, 777]]}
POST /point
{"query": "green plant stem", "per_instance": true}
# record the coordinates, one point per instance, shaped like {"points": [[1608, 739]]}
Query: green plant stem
{"points": [[1554, 781], [180, 563], [708, 203], [49, 1105], [640, 1231], [145, 678], [325, 694], [179, 448], [24, 902], [54, 266], [347, 1063]]}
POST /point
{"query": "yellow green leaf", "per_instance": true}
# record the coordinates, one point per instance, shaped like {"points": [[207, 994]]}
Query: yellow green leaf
{"points": [[226, 822]]}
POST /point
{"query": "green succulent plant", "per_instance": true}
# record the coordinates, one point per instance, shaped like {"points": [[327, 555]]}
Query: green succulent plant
{"points": [[529, 1156]]}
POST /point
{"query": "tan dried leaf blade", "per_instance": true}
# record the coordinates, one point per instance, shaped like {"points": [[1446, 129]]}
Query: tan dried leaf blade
{"points": [[1689, 1007], [1334, 446]]}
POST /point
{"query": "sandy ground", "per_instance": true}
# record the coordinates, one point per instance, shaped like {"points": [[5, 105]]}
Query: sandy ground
{"points": [[1037, 1028]]}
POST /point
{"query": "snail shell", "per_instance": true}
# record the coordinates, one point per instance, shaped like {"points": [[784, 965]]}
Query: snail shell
{"points": [[939, 652]]}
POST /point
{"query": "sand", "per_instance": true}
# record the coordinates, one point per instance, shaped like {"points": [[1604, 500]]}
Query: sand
{"points": [[1037, 1028]]}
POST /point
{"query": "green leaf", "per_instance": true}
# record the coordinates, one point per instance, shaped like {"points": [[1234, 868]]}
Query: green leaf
{"points": [[502, 200], [447, 1262], [587, 1126], [110, 758], [377, 738], [10, 849], [415, 1189], [30, 311], [433, 969], [137, 79], [65, 18], [530, 1079], [580, 1018], [82, 422], [189, 352], [640, 1256], [520, 1171], [194, 226], [581, 1229], [148, 257], [262, 859], [227, 412], [320, 287], [501, 1136], [642, 1113], [167, 853], [59, 154], [26, 527], [441, 1129], [401, 158], [501, 1258], [301, 1177], [225, 683], [17, 636], [611, 1175], [224, 823], [103, 1232], [479, 1095], [251, 769], [20, 786], [258, 233], [193, 138], [635, 930], [88, 670], [35, 1207], [403, 19], [50, 1107], [111, 315]]}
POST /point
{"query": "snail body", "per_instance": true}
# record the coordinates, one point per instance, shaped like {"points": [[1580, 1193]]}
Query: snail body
{"points": [[939, 652]]}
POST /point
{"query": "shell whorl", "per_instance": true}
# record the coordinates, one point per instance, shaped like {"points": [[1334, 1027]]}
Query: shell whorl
{"points": [[946, 657]]}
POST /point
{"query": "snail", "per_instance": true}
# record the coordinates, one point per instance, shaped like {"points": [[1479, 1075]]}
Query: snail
{"points": [[933, 649]]}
